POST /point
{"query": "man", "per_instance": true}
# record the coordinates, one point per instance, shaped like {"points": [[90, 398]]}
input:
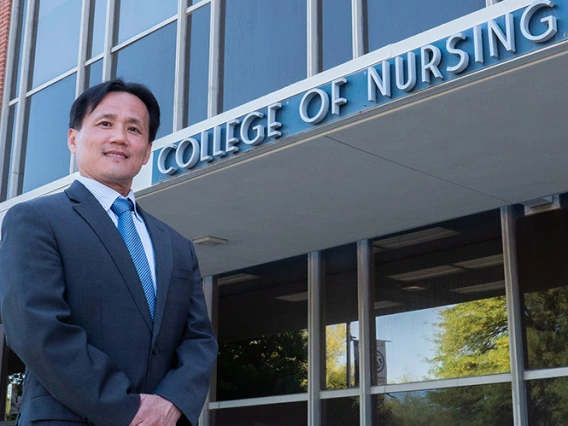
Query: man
{"points": [[102, 301]]}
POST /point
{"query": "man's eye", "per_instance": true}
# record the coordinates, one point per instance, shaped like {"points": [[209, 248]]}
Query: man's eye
{"points": [[134, 129], [104, 123]]}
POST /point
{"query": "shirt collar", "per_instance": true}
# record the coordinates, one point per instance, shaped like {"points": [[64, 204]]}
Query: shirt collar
{"points": [[106, 195]]}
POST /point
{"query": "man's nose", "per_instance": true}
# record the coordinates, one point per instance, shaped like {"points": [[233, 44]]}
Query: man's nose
{"points": [[118, 134]]}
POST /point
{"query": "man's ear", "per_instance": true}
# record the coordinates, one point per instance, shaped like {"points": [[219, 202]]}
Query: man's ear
{"points": [[72, 140], [148, 153]]}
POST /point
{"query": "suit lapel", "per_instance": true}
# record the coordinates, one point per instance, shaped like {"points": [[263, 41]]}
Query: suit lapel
{"points": [[92, 212], [163, 255]]}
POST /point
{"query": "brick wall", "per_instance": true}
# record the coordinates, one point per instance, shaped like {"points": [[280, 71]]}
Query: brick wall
{"points": [[5, 10]]}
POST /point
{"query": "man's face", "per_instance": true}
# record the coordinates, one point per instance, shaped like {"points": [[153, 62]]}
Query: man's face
{"points": [[113, 143]]}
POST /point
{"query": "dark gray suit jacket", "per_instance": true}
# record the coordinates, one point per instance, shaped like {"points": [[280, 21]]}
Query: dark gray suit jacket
{"points": [[74, 310]]}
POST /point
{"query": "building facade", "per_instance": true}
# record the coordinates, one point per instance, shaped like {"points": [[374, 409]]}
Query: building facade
{"points": [[376, 191]]}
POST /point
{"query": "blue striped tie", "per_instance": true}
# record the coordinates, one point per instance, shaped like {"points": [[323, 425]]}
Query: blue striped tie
{"points": [[123, 208]]}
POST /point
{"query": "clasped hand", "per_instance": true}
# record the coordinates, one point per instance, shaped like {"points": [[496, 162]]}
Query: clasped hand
{"points": [[155, 411]]}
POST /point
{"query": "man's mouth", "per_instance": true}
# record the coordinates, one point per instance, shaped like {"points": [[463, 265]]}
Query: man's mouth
{"points": [[116, 155]]}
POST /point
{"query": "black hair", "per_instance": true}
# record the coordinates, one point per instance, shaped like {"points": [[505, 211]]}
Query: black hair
{"points": [[92, 97]]}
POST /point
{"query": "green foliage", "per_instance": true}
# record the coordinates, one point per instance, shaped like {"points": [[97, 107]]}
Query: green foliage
{"points": [[335, 351], [472, 339], [268, 365]]}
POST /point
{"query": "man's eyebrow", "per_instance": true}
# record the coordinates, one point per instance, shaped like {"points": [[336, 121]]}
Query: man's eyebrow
{"points": [[128, 119]]}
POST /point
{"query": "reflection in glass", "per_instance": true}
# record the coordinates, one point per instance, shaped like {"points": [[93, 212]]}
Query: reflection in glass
{"points": [[6, 179], [15, 384], [264, 50], [548, 402], [262, 332], [95, 73], [136, 16], [198, 64], [19, 49], [389, 22], [340, 412], [151, 61], [98, 22], [336, 33], [57, 39], [291, 413], [46, 154], [428, 282], [465, 406], [542, 250], [340, 313]]}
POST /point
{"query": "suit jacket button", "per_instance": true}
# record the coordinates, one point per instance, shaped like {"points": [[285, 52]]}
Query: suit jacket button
{"points": [[156, 350]]}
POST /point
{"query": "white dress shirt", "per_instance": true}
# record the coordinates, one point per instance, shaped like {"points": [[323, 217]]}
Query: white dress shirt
{"points": [[106, 196]]}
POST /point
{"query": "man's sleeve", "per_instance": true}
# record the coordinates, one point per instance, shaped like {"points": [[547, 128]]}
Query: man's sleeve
{"points": [[37, 324], [187, 384]]}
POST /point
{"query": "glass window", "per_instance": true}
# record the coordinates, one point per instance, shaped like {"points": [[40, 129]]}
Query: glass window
{"points": [[263, 339], [291, 413], [136, 16], [14, 383], [6, 179], [464, 406], [548, 402], [198, 64], [95, 73], [336, 28], [265, 48], [57, 39], [340, 412], [542, 253], [98, 23], [151, 61], [19, 49], [389, 22], [46, 154], [440, 302], [340, 313]]}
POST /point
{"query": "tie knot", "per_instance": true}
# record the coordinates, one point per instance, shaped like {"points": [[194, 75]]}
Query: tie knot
{"points": [[122, 205]]}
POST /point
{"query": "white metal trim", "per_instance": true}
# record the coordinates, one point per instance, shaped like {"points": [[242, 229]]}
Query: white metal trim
{"points": [[546, 373], [215, 52], [51, 82], [313, 23], [110, 28], [181, 67], [25, 77], [94, 59], [443, 384], [340, 393], [196, 6], [315, 279], [366, 348], [8, 77], [250, 402], [358, 28], [514, 315], [143, 34]]}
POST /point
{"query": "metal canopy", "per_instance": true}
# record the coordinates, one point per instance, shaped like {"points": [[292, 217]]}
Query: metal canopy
{"points": [[463, 148]]}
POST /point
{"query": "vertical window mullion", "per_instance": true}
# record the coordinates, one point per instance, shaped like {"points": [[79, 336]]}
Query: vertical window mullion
{"points": [[512, 293], [315, 356], [215, 52], [211, 293], [181, 67], [358, 28], [88, 6], [364, 284], [8, 77], [18, 146], [110, 29], [313, 22]]}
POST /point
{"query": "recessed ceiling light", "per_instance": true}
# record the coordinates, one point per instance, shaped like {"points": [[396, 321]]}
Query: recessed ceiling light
{"points": [[496, 285], [481, 262], [384, 304], [413, 238], [423, 274], [235, 278], [416, 287], [296, 297], [209, 241]]}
